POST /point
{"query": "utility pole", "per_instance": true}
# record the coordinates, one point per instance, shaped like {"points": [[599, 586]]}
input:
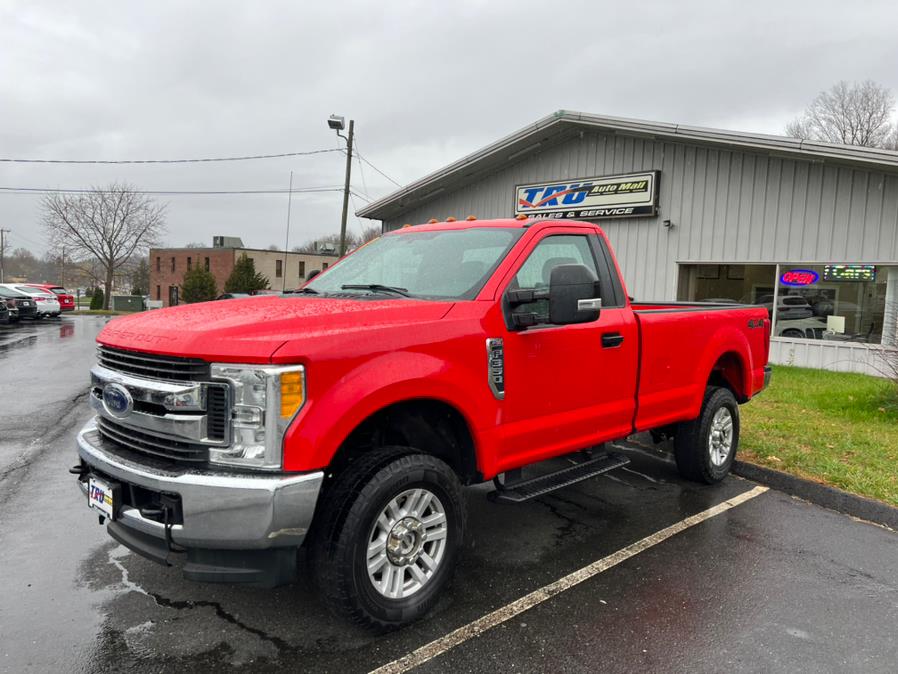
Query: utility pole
{"points": [[6, 231], [346, 187], [287, 238]]}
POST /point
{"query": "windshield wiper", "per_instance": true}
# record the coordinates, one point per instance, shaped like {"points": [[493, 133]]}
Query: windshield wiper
{"points": [[308, 291], [376, 287]]}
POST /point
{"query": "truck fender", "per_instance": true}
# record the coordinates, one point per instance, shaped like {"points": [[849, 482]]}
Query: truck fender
{"points": [[325, 423], [725, 340]]}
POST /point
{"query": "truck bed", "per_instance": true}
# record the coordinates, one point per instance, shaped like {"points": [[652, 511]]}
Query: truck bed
{"points": [[681, 345]]}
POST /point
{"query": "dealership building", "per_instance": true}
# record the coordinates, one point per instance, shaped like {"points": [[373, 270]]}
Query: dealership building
{"points": [[703, 214]]}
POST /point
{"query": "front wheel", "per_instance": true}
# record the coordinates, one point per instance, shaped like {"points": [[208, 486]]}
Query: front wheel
{"points": [[705, 448], [392, 527]]}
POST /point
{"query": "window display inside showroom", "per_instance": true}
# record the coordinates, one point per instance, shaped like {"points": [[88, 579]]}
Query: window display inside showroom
{"points": [[840, 302]]}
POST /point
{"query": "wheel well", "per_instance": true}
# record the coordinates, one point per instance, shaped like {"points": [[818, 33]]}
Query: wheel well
{"points": [[728, 373], [432, 426]]}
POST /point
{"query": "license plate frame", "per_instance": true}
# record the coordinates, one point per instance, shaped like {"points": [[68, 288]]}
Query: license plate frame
{"points": [[103, 496]]}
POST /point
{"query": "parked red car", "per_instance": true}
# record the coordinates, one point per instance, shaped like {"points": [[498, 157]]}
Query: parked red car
{"points": [[66, 299]]}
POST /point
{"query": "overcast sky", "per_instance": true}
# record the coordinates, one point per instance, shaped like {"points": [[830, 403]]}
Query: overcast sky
{"points": [[426, 82]]}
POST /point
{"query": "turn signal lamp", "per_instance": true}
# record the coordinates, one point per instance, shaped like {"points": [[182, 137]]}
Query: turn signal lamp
{"points": [[292, 393]]}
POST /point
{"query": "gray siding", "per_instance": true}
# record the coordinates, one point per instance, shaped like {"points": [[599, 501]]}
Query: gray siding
{"points": [[841, 357], [726, 206]]}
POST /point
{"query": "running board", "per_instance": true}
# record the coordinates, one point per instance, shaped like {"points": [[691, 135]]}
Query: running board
{"points": [[524, 490]]}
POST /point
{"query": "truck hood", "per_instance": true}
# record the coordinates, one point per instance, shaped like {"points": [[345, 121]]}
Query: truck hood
{"points": [[252, 329]]}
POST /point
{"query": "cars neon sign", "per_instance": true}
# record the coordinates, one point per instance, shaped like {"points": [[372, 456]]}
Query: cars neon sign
{"points": [[799, 277]]}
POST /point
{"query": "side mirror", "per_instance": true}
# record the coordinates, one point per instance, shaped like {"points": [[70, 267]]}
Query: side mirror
{"points": [[573, 295]]}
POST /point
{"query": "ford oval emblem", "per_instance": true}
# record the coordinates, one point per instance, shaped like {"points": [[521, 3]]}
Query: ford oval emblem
{"points": [[117, 400]]}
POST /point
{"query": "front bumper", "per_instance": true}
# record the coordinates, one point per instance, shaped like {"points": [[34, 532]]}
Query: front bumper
{"points": [[221, 511]]}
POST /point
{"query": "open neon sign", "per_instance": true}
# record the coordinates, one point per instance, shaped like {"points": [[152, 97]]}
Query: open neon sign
{"points": [[799, 277]]}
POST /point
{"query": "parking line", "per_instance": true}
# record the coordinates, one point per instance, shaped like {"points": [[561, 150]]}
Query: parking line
{"points": [[476, 628]]}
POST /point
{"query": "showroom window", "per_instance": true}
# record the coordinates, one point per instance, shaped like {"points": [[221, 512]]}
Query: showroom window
{"points": [[838, 302], [846, 302]]}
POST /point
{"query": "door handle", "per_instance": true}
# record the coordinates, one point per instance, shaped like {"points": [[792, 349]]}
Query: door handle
{"points": [[611, 339]]}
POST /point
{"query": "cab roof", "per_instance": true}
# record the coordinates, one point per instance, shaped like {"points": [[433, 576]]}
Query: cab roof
{"points": [[499, 223]]}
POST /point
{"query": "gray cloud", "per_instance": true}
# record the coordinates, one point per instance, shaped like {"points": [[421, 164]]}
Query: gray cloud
{"points": [[426, 82]]}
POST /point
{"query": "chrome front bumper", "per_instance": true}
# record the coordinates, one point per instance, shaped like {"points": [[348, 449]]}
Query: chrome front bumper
{"points": [[226, 511]]}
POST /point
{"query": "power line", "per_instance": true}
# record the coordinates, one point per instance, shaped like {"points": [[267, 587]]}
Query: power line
{"points": [[48, 190], [359, 155], [363, 197], [360, 192], [362, 173], [281, 155], [354, 209], [24, 238]]}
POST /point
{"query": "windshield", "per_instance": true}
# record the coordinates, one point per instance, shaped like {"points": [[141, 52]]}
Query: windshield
{"points": [[448, 264]]}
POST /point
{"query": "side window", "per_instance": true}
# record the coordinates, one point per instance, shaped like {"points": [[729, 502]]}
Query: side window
{"points": [[551, 252]]}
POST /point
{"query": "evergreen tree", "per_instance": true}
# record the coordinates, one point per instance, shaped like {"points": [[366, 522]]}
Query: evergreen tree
{"points": [[244, 278], [140, 278], [96, 300], [198, 286]]}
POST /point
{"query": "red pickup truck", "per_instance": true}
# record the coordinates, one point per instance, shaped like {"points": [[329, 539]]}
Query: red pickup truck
{"points": [[344, 419]]}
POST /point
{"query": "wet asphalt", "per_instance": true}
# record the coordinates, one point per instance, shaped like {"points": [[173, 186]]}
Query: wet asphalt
{"points": [[774, 584]]}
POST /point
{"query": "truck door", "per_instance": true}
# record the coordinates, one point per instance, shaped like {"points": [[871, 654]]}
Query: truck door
{"points": [[567, 387]]}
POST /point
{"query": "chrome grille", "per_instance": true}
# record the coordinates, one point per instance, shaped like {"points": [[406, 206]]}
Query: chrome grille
{"points": [[152, 366], [150, 443], [177, 413]]}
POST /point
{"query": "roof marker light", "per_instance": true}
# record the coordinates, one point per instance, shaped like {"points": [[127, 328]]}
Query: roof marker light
{"points": [[520, 217], [432, 221], [471, 218], [450, 219]]}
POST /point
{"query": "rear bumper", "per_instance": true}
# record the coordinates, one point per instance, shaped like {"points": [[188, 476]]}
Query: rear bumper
{"points": [[224, 514]]}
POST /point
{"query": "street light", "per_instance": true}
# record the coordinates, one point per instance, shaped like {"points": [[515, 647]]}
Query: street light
{"points": [[337, 123]]}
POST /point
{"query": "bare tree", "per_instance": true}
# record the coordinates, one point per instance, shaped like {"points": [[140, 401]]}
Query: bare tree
{"points": [[108, 224], [369, 234], [331, 242], [852, 114]]}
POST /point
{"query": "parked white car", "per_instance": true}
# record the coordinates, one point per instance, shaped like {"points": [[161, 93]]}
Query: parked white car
{"points": [[47, 303]]}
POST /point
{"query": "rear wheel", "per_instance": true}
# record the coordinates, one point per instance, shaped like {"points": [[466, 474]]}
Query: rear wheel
{"points": [[392, 525], [705, 448]]}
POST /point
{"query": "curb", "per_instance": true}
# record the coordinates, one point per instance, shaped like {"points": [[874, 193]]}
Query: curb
{"points": [[821, 494]]}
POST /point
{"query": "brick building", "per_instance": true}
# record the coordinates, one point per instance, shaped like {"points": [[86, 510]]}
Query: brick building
{"points": [[283, 270]]}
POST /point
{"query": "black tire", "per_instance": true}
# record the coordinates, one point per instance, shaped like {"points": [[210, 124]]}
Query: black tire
{"points": [[345, 522], [692, 443]]}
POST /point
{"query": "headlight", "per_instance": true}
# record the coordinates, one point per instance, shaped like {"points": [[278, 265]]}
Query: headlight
{"points": [[265, 400]]}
